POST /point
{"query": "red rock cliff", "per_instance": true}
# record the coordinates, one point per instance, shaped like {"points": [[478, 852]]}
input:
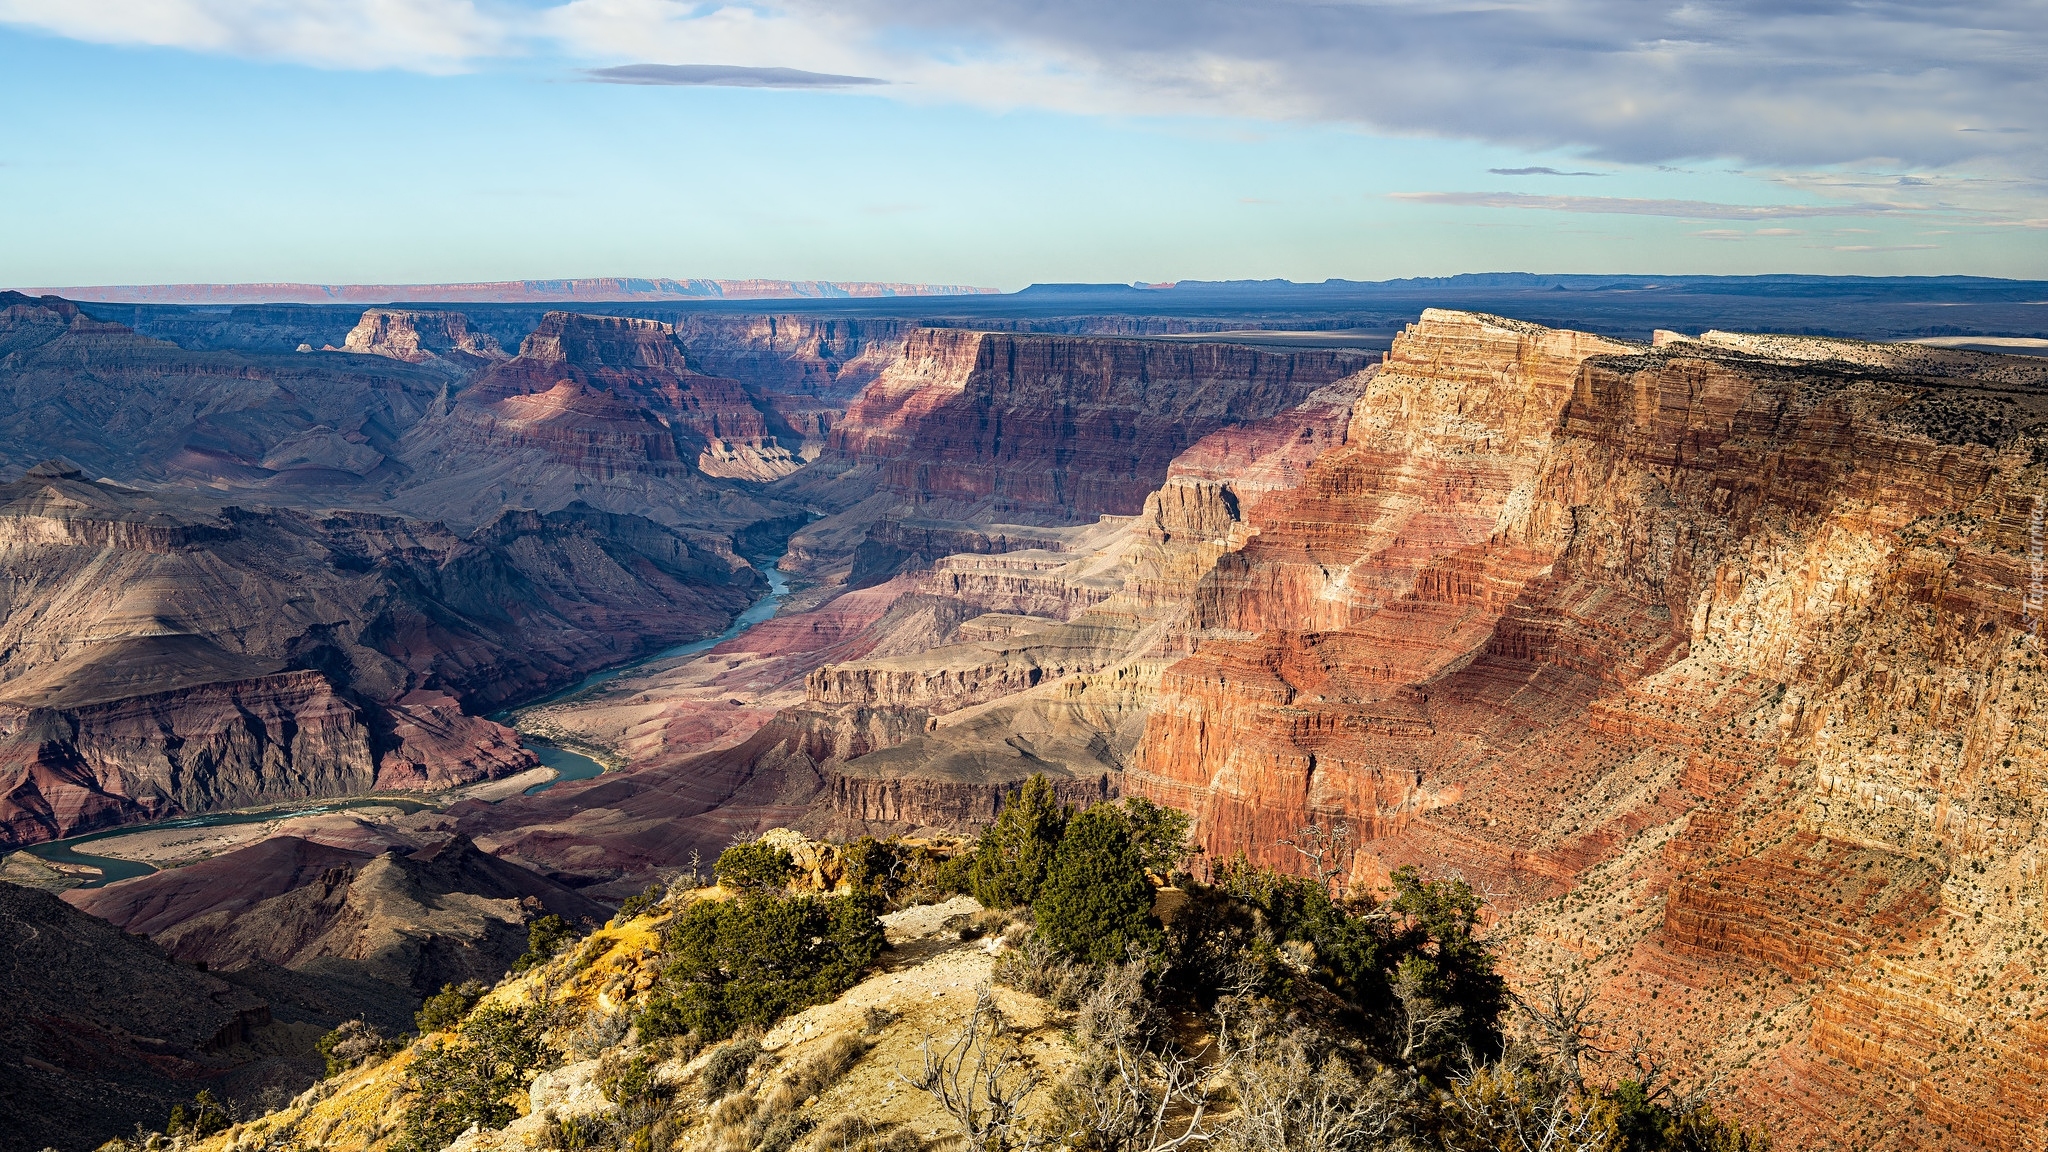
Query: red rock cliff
{"points": [[1711, 666], [1057, 429]]}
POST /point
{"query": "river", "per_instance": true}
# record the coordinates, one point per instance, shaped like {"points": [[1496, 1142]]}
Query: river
{"points": [[567, 765]]}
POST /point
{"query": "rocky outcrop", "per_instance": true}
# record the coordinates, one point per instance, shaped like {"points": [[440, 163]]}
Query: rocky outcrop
{"points": [[221, 745], [442, 339], [1056, 430], [413, 919], [170, 655], [1706, 663]]}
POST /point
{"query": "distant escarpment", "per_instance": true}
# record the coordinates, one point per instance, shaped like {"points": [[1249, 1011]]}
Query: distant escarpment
{"points": [[604, 410], [140, 409], [167, 655], [981, 441], [1715, 663], [808, 368]]}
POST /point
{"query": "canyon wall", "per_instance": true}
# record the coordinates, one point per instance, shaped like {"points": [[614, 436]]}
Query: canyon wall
{"points": [[1052, 429], [1711, 666], [167, 655]]}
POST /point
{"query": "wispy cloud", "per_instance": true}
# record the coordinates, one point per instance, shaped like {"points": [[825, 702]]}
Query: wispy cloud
{"points": [[1876, 247], [1539, 171], [1624, 206], [418, 35], [724, 76]]}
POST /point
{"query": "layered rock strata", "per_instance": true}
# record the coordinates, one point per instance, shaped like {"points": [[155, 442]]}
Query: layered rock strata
{"points": [[169, 655], [608, 411], [1711, 665], [1048, 429]]}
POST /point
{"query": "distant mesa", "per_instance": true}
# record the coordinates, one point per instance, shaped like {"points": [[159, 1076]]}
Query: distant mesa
{"points": [[604, 288]]}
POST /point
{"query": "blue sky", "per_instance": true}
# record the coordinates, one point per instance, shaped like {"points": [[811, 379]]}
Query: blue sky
{"points": [[1009, 142]]}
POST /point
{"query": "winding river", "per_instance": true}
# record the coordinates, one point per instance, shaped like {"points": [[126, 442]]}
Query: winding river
{"points": [[567, 765]]}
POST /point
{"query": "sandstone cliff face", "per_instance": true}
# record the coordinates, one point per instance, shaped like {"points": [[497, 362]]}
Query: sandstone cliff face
{"points": [[169, 655], [1056, 430], [1711, 665], [442, 339]]}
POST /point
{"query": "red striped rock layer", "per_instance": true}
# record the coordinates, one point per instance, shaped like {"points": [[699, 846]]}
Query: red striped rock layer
{"points": [[1714, 671], [1056, 429]]}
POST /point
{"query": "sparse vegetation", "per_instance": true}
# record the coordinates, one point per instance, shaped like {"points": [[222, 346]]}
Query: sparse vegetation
{"points": [[754, 959], [544, 937], [474, 1077]]}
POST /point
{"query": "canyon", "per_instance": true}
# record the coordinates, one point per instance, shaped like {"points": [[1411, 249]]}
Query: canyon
{"points": [[1710, 661], [1707, 661]]}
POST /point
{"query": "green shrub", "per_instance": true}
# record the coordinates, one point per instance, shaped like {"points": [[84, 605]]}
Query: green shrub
{"points": [[877, 866], [205, 1116], [474, 1077], [755, 959], [1096, 902], [1160, 833], [544, 937], [446, 1008], [753, 865], [1016, 852]]}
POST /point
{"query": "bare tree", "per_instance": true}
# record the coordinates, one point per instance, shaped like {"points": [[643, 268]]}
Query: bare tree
{"points": [[1327, 851], [1134, 1091], [1564, 1022], [980, 1079], [1291, 1098], [1424, 1018]]}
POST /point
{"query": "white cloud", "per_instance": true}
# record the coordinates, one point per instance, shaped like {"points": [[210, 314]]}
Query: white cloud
{"points": [[1927, 85], [418, 35]]}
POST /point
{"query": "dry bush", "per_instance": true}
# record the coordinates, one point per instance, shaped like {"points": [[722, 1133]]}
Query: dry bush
{"points": [[877, 1018], [823, 1068], [980, 1078], [727, 1068], [1037, 968], [846, 1133], [597, 1033]]}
